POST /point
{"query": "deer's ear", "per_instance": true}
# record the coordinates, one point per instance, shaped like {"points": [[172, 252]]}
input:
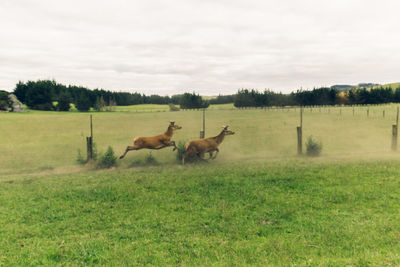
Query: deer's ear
{"points": [[225, 127]]}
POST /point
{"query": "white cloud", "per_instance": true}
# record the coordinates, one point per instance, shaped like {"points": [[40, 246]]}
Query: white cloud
{"points": [[212, 47]]}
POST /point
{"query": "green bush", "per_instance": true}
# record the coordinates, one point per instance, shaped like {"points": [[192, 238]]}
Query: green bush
{"points": [[80, 159], [172, 107], [107, 160], [150, 160], [181, 151], [314, 147]]}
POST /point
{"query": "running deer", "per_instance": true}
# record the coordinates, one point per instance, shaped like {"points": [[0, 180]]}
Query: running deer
{"points": [[154, 142], [205, 145]]}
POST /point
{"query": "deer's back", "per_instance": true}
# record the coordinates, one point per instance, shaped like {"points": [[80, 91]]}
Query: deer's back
{"points": [[202, 145], [151, 141]]}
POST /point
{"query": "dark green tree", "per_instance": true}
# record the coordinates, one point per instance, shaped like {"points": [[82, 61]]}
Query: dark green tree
{"points": [[38, 95], [192, 101], [83, 102], [64, 101], [20, 91], [4, 102]]}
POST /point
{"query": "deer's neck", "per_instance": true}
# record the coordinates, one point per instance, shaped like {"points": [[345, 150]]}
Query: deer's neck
{"points": [[219, 138], [169, 131]]}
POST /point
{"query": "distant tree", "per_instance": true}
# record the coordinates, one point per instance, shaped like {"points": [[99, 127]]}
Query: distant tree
{"points": [[176, 99], [39, 95], [352, 97], [111, 105], [100, 104], [64, 101], [83, 102], [244, 98], [396, 96], [20, 91], [363, 96], [4, 102], [192, 101], [223, 99]]}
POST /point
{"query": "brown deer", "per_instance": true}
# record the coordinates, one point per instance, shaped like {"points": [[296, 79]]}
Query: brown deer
{"points": [[154, 142], [205, 145]]}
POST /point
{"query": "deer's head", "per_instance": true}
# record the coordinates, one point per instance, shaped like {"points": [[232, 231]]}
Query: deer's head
{"points": [[226, 131], [173, 126]]}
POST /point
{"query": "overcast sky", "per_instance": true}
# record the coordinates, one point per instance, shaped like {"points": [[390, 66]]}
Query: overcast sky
{"points": [[207, 46]]}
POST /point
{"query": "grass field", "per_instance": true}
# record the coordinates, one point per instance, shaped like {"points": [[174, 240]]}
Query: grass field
{"points": [[143, 108], [263, 214], [48, 141], [258, 203]]}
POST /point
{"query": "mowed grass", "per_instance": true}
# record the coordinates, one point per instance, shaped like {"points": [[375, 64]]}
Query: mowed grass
{"points": [[262, 214]]}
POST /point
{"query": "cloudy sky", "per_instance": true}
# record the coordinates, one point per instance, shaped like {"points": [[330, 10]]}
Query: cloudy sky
{"points": [[207, 46]]}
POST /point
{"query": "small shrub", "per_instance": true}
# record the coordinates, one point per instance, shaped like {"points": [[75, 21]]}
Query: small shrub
{"points": [[150, 160], [172, 107], [107, 160], [181, 151], [80, 159], [314, 147]]}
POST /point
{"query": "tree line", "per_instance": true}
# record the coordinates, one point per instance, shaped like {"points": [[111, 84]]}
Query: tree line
{"points": [[50, 95], [318, 96]]}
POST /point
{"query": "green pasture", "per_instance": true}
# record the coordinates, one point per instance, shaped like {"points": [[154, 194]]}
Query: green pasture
{"points": [[296, 213], [143, 108], [257, 204], [48, 141]]}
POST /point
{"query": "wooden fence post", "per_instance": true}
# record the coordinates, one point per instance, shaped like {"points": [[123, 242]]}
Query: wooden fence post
{"points": [[394, 131], [300, 134], [394, 137], [203, 131], [89, 142]]}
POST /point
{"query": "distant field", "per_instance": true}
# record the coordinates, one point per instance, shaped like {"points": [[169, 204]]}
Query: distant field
{"points": [[142, 108], [162, 108], [392, 85]]}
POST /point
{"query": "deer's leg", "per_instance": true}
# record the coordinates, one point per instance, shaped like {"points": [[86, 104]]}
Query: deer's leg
{"points": [[184, 156], [183, 159], [157, 148], [201, 156], [217, 151], [188, 153], [129, 148], [172, 143]]}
